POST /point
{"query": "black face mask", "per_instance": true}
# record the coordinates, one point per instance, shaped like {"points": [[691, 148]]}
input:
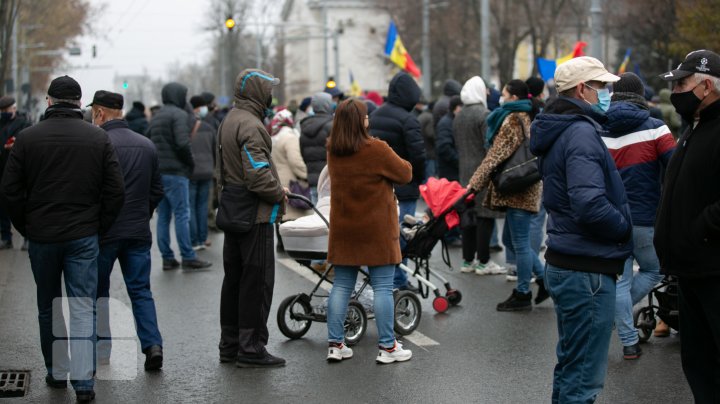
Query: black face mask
{"points": [[686, 104]]}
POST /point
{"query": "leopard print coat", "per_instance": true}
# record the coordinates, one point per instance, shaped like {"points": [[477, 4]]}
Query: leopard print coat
{"points": [[507, 140]]}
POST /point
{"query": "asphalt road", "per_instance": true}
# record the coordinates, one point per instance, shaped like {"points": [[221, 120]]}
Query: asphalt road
{"points": [[472, 353]]}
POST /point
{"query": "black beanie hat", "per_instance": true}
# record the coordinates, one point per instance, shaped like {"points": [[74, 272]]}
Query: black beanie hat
{"points": [[139, 105], [198, 101], [629, 83]]}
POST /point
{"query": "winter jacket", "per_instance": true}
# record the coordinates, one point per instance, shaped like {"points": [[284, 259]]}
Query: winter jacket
{"points": [[9, 129], [450, 88], [447, 154], [669, 115], [62, 181], [509, 138], [363, 211], [315, 131], [394, 123], [203, 145], [143, 184], [427, 128], [289, 164], [246, 146], [590, 225], [687, 231], [137, 121], [170, 131], [641, 147]]}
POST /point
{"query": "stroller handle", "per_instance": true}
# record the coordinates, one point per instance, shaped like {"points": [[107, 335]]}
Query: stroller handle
{"points": [[290, 195]]}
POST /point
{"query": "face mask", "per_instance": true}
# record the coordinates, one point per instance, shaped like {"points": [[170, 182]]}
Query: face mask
{"points": [[501, 100], [686, 103], [6, 116], [269, 112], [603, 103], [203, 111], [310, 111]]}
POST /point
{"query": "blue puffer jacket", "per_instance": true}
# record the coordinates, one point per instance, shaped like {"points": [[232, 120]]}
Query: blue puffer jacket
{"points": [[590, 226]]}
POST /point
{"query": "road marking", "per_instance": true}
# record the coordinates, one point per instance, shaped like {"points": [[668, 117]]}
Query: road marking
{"points": [[420, 339]]}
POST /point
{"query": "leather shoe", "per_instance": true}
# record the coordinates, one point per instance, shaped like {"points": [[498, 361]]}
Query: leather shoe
{"points": [[55, 383], [170, 264], [262, 360], [85, 396], [195, 264], [153, 358]]}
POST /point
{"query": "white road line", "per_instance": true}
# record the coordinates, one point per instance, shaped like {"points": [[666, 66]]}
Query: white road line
{"points": [[420, 339]]}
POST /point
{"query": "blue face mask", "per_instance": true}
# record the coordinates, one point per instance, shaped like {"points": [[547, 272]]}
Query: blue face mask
{"points": [[603, 103]]}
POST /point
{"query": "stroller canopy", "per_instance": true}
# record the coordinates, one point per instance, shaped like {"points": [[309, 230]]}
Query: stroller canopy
{"points": [[440, 195]]}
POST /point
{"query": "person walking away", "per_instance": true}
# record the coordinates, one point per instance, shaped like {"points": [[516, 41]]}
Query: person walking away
{"points": [[136, 118], [362, 171], [447, 154], [631, 132], [249, 258], [202, 144], [394, 123], [590, 225], [508, 127], [129, 239], [287, 157], [315, 130], [170, 131], [63, 188], [11, 124], [469, 130], [687, 239]]}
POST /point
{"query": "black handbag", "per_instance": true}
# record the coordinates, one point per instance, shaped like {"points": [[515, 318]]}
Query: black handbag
{"points": [[238, 206], [297, 188], [519, 171]]}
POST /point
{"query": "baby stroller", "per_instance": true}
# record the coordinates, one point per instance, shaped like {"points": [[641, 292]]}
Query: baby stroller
{"points": [[666, 295], [445, 199], [306, 239]]}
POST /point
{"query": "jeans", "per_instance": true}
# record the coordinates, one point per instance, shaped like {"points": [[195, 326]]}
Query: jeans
{"points": [[134, 257], [5, 232], [199, 197], [76, 262], [175, 201], [631, 289], [518, 221], [584, 307], [381, 280], [537, 235], [430, 169], [406, 208]]}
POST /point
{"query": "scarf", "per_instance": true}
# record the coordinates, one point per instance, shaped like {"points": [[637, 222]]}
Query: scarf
{"points": [[497, 117]]}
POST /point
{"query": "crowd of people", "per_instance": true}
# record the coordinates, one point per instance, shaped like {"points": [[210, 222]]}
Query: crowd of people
{"points": [[620, 176]]}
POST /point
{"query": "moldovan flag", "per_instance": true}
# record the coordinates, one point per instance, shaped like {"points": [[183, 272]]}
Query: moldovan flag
{"points": [[547, 67], [626, 60], [395, 50], [355, 90]]}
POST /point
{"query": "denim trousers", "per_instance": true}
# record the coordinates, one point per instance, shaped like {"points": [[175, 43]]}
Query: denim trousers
{"points": [[430, 169], [199, 197], [175, 201], [381, 280], [134, 257], [405, 208], [518, 221], [584, 307], [632, 288], [537, 234], [74, 261]]}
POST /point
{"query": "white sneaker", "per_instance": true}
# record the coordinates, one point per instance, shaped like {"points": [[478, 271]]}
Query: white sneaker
{"points": [[494, 269], [511, 274], [199, 247], [396, 354], [468, 267], [481, 269], [336, 354]]}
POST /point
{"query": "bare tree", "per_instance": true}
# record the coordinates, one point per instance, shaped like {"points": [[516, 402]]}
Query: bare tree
{"points": [[9, 11]]}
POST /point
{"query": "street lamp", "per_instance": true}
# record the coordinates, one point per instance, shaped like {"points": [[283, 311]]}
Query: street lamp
{"points": [[230, 23]]}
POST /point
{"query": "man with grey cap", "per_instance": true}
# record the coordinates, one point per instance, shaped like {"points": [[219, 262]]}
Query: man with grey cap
{"points": [[687, 229], [64, 188], [129, 239], [589, 229]]}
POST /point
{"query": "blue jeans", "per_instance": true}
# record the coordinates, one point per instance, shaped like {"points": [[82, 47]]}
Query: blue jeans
{"points": [[175, 201], [584, 307], [381, 280], [518, 221], [76, 262], [199, 197], [537, 235], [430, 169], [406, 208], [631, 289], [134, 257]]}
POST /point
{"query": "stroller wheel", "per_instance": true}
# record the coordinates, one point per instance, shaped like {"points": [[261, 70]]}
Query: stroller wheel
{"points": [[287, 316], [644, 320], [355, 322], [408, 312], [441, 304], [454, 296]]}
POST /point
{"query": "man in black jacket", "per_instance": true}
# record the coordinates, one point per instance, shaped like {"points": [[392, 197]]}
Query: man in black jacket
{"points": [[315, 130], [170, 131], [11, 123], [687, 228], [136, 118], [394, 123], [129, 239], [63, 187]]}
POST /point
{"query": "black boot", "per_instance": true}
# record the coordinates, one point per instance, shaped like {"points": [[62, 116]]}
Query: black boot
{"points": [[516, 302], [542, 293]]}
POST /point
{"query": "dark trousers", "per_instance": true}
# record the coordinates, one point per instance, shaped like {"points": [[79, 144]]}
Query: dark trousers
{"points": [[247, 289], [476, 239], [5, 226], [700, 337]]}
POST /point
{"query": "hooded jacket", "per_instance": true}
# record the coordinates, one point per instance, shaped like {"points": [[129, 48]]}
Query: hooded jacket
{"points": [[395, 123], [137, 121], [450, 88], [590, 225], [170, 131], [315, 131], [245, 145], [445, 149], [641, 147]]}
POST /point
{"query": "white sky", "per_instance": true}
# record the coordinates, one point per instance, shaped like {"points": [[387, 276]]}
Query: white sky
{"points": [[136, 35]]}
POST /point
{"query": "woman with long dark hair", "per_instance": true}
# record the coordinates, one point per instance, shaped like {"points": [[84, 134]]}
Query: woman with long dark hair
{"points": [[363, 226]]}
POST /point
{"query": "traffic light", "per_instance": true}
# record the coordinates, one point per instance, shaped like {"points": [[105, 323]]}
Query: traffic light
{"points": [[230, 23], [125, 85]]}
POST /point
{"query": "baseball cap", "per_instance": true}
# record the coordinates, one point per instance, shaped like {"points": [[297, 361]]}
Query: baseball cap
{"points": [[699, 61], [581, 70], [107, 99]]}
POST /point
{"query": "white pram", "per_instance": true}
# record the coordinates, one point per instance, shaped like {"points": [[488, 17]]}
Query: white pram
{"points": [[306, 239]]}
